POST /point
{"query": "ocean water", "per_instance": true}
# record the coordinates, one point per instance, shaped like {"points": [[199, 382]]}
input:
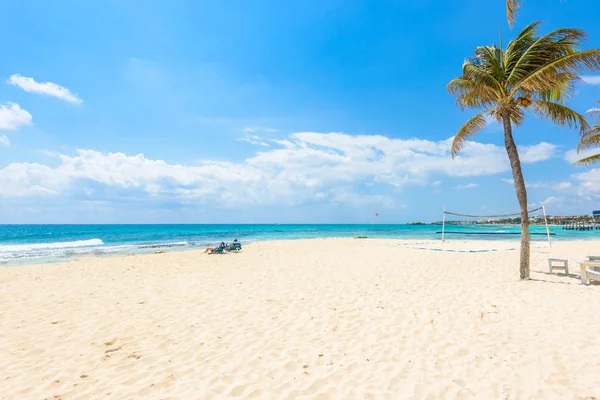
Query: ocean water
{"points": [[22, 244]]}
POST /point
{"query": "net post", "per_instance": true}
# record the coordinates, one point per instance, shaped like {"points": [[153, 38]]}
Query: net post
{"points": [[443, 222], [546, 221]]}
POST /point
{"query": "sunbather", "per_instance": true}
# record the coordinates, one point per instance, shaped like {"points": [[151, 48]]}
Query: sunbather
{"points": [[215, 250], [235, 246]]}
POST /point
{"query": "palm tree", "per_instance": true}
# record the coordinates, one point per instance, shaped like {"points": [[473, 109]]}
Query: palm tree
{"points": [[591, 138], [534, 74]]}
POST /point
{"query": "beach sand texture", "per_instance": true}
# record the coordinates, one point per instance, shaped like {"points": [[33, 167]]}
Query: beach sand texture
{"points": [[303, 319]]}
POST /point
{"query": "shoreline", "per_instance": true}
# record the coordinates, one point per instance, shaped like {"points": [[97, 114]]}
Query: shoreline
{"points": [[178, 246], [148, 248], [464, 245]]}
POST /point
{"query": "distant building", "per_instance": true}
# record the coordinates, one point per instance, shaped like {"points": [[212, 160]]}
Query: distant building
{"points": [[596, 213]]}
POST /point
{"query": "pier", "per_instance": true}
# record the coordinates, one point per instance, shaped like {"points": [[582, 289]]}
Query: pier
{"points": [[581, 226]]}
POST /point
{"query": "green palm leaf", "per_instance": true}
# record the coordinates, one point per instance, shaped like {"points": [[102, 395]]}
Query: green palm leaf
{"points": [[591, 138], [518, 47], [472, 94], [534, 73], [478, 74], [561, 115], [543, 78], [469, 129], [589, 160], [534, 52]]}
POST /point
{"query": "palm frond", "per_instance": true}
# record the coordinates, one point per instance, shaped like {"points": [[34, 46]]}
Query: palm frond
{"points": [[591, 138], [544, 77], [517, 116], [462, 85], [526, 53], [490, 58], [476, 73], [468, 130], [563, 87], [512, 7], [519, 45], [589, 160], [472, 94], [561, 115]]}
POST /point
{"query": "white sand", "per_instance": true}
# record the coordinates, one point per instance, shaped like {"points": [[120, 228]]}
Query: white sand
{"points": [[326, 319]]}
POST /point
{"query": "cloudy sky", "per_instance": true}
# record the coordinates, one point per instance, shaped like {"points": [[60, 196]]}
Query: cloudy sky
{"points": [[265, 111]]}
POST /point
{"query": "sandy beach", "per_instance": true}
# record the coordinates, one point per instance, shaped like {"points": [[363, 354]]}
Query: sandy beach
{"points": [[304, 319]]}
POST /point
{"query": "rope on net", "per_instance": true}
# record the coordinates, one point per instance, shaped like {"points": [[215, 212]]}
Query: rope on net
{"points": [[490, 216]]}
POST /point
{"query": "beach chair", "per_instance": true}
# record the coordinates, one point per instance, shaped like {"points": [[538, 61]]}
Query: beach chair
{"points": [[590, 270]]}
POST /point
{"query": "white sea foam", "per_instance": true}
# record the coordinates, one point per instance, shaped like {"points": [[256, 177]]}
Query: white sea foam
{"points": [[27, 248], [27, 253], [155, 246]]}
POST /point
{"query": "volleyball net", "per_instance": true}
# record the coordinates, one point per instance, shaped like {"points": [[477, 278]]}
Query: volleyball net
{"points": [[454, 223]]}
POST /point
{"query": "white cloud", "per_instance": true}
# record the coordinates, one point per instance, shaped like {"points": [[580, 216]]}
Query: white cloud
{"points": [[591, 79], [467, 186], [253, 139], [589, 182], [553, 201], [12, 116], [301, 169], [562, 186], [539, 152], [251, 129], [538, 185], [284, 143], [47, 88], [4, 141]]}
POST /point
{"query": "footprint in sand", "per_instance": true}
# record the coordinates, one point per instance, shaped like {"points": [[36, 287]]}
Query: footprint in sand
{"points": [[112, 350]]}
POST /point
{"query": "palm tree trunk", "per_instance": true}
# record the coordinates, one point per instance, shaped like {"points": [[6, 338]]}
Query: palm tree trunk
{"points": [[515, 164]]}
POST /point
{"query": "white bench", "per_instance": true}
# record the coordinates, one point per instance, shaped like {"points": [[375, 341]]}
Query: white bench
{"points": [[563, 264], [590, 271]]}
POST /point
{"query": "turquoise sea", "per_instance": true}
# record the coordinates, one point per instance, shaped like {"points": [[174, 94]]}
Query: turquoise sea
{"points": [[21, 244]]}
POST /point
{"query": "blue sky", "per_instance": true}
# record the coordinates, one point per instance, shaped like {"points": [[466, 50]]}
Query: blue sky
{"points": [[265, 111]]}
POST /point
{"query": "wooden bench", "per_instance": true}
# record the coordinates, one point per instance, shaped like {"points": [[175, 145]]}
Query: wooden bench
{"points": [[590, 271], [563, 264]]}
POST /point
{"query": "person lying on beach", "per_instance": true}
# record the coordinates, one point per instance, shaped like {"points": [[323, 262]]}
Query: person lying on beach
{"points": [[212, 250]]}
